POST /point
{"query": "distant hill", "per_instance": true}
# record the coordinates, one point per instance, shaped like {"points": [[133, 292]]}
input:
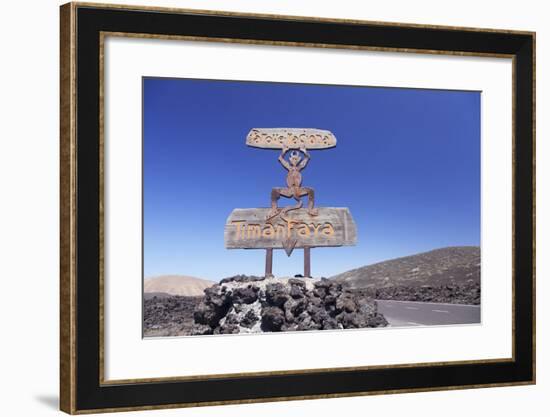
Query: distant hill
{"points": [[175, 285], [446, 266]]}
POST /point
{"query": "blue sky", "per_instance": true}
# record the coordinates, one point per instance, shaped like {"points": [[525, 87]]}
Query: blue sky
{"points": [[407, 164]]}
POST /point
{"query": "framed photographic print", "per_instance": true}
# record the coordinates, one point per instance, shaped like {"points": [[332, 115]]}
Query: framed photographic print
{"points": [[264, 208]]}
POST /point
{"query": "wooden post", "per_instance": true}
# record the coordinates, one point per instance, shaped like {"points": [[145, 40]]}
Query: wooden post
{"points": [[269, 263], [307, 262]]}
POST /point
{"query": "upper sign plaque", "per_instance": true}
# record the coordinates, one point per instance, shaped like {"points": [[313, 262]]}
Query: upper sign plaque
{"points": [[291, 138]]}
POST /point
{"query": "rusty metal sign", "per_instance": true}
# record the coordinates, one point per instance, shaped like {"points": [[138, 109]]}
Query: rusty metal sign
{"points": [[291, 138], [248, 229], [291, 226]]}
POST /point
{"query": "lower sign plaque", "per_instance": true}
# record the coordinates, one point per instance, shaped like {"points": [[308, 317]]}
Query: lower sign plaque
{"points": [[249, 229]]}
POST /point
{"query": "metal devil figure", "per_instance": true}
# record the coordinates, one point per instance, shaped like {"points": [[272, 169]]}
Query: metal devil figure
{"points": [[291, 226]]}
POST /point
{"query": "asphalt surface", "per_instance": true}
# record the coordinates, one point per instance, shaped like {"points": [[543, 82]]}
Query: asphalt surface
{"points": [[411, 313]]}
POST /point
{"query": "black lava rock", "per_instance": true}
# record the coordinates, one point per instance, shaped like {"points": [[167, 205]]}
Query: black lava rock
{"points": [[276, 294], [273, 319], [249, 319], [246, 295]]}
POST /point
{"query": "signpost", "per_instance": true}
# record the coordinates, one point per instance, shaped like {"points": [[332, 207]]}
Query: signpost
{"points": [[290, 227]]}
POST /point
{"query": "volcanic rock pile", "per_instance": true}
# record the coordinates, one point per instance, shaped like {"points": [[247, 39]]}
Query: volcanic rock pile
{"points": [[245, 304]]}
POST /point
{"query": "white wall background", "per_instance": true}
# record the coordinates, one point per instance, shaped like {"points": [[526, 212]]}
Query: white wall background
{"points": [[29, 152]]}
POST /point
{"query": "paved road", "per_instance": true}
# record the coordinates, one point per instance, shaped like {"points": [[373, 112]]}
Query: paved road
{"points": [[411, 313]]}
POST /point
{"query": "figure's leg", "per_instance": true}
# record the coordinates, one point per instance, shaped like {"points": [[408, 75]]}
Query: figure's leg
{"points": [[276, 193], [293, 192], [310, 201], [297, 194]]}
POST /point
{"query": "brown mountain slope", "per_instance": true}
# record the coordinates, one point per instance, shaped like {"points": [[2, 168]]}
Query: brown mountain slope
{"points": [[446, 266], [176, 285]]}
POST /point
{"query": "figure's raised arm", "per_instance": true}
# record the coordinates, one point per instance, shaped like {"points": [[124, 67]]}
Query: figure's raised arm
{"points": [[306, 158], [282, 159]]}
